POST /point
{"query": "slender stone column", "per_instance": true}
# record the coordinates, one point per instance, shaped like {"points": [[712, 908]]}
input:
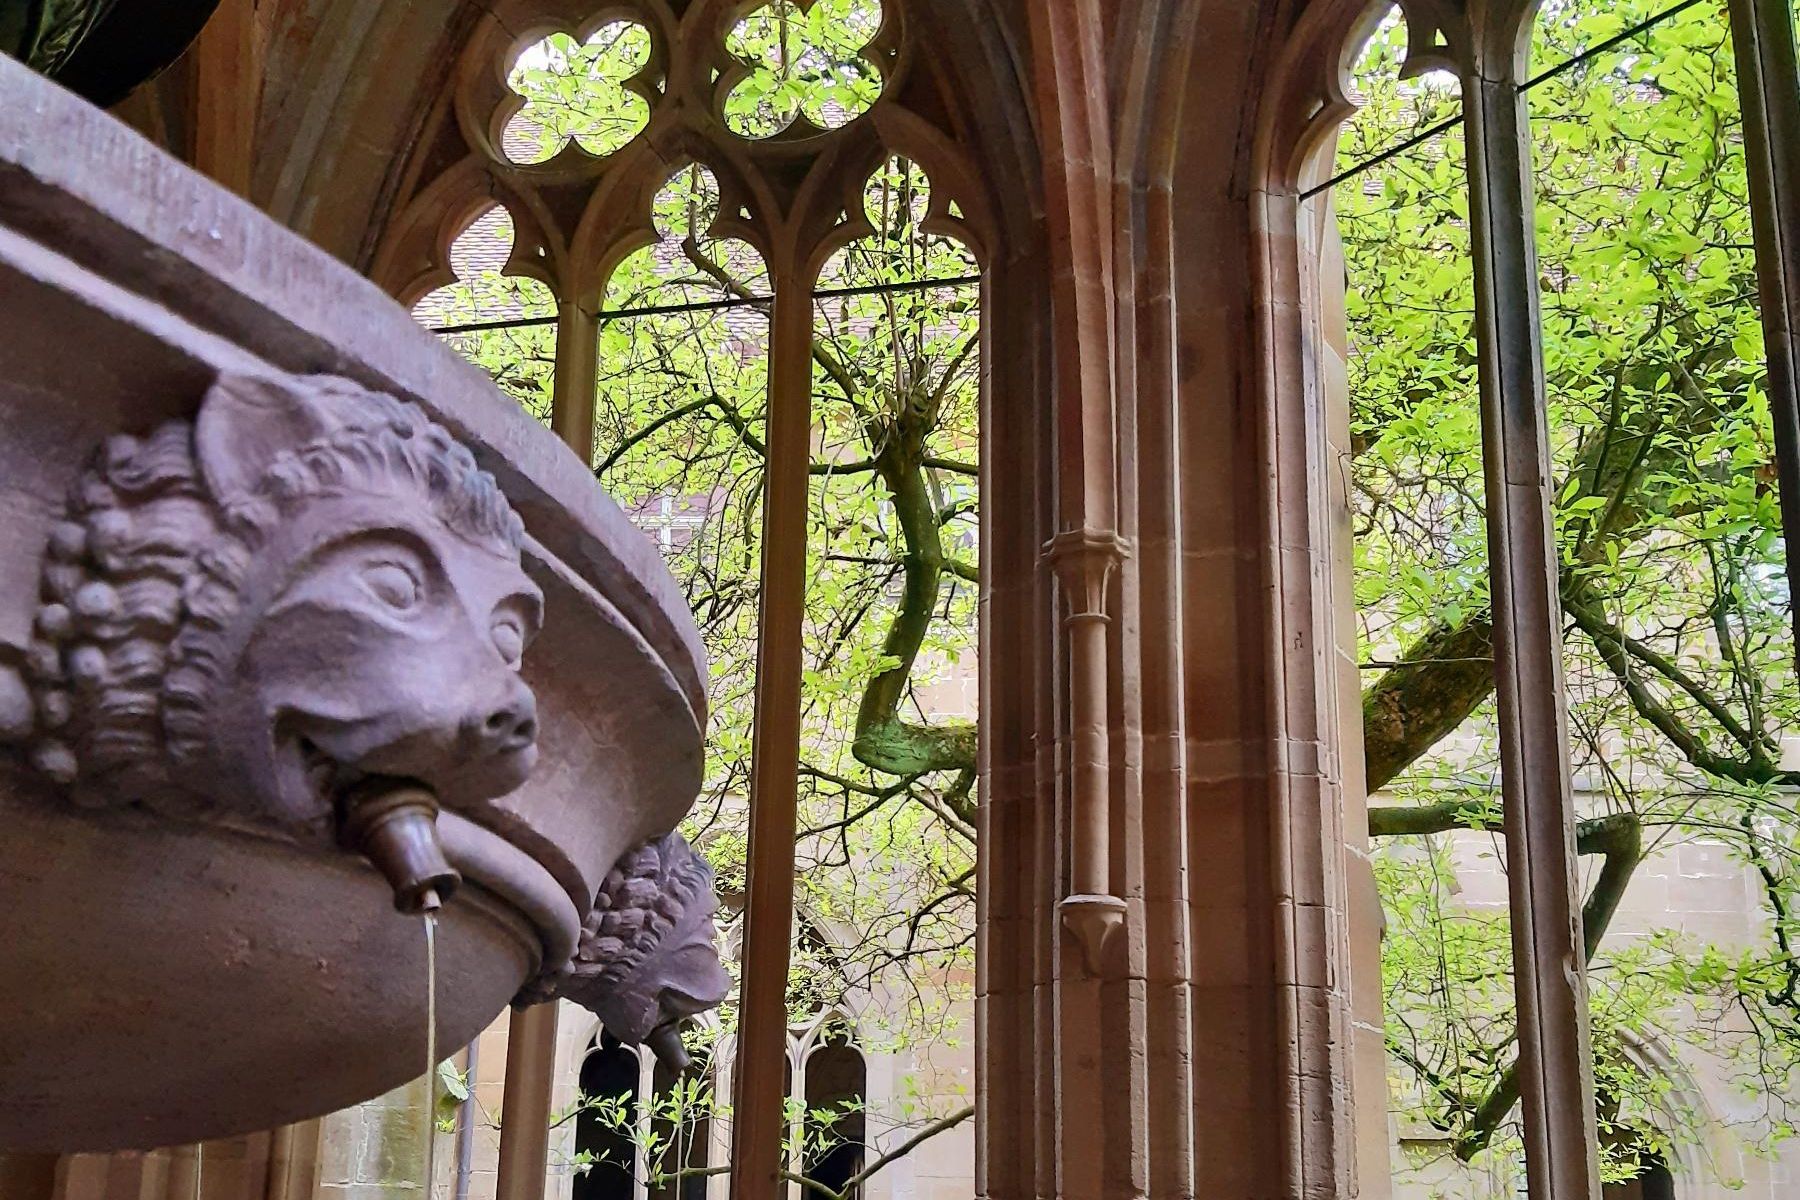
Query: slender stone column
{"points": [[577, 366], [294, 1161], [531, 1036], [1556, 1081], [27, 1176], [525, 1112], [1762, 34], [757, 1114], [1084, 561]]}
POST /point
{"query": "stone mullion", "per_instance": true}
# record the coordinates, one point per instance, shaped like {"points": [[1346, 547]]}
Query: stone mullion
{"points": [[1358, 927], [294, 1161], [1762, 34], [524, 1162], [531, 1036], [1556, 1085], [775, 749], [576, 378]]}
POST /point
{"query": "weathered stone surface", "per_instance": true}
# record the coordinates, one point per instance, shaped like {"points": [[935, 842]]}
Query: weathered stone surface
{"points": [[225, 629], [166, 981]]}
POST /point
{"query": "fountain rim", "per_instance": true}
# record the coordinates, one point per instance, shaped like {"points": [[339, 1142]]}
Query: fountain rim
{"points": [[156, 227]]}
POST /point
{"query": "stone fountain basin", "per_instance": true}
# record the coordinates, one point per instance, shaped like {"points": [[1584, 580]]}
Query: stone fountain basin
{"points": [[163, 982], [195, 980]]}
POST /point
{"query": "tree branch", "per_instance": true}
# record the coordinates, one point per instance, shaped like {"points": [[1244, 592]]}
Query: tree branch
{"points": [[1615, 646], [883, 740], [908, 1146], [669, 417], [1439, 681], [1617, 837], [941, 1125]]}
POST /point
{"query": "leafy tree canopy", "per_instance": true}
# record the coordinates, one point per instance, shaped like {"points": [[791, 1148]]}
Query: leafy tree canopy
{"points": [[1678, 648]]}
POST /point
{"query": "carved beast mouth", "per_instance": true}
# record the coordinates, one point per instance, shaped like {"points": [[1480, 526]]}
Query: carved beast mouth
{"points": [[312, 776], [319, 769], [323, 763]]}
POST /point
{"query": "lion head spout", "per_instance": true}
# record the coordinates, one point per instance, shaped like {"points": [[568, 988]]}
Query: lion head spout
{"points": [[649, 954], [309, 585]]}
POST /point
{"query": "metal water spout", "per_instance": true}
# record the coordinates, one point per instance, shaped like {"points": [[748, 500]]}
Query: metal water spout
{"points": [[393, 823], [665, 1042]]}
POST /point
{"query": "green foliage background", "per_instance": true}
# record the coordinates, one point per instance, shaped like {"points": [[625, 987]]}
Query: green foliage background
{"points": [[888, 774], [1678, 651]]}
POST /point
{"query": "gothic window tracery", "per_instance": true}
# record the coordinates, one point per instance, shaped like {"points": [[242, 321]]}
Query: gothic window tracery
{"points": [[486, 296], [833, 1132], [646, 1133], [610, 1074], [763, 242]]}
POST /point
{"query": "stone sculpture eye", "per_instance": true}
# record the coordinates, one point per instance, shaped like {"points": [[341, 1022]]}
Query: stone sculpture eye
{"points": [[392, 583], [509, 638]]}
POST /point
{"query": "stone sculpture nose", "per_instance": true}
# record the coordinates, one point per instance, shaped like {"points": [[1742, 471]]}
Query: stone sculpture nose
{"points": [[510, 724]]}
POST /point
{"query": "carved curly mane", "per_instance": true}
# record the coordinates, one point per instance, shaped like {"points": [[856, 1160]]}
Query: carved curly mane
{"points": [[143, 579], [643, 899]]}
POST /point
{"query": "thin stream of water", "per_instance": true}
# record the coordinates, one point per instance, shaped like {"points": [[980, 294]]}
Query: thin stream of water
{"points": [[430, 1051]]}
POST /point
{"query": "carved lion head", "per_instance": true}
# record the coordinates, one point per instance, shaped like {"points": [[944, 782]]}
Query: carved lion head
{"points": [[649, 954], [310, 584]]}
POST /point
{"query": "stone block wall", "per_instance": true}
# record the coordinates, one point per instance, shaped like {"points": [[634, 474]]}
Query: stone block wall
{"points": [[376, 1149]]}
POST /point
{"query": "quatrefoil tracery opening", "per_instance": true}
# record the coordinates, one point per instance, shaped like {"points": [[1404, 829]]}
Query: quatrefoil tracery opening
{"points": [[805, 65], [577, 91]]}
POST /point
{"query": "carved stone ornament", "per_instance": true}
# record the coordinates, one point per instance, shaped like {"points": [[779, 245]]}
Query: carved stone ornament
{"points": [[266, 664], [649, 954], [246, 616]]}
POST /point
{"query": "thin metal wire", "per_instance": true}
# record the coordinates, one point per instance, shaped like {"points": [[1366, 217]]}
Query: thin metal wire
{"points": [[1394, 151], [1561, 68], [1617, 39], [652, 310]]}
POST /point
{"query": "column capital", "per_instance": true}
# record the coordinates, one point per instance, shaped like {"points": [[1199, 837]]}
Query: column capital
{"points": [[1092, 918], [1084, 560]]}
